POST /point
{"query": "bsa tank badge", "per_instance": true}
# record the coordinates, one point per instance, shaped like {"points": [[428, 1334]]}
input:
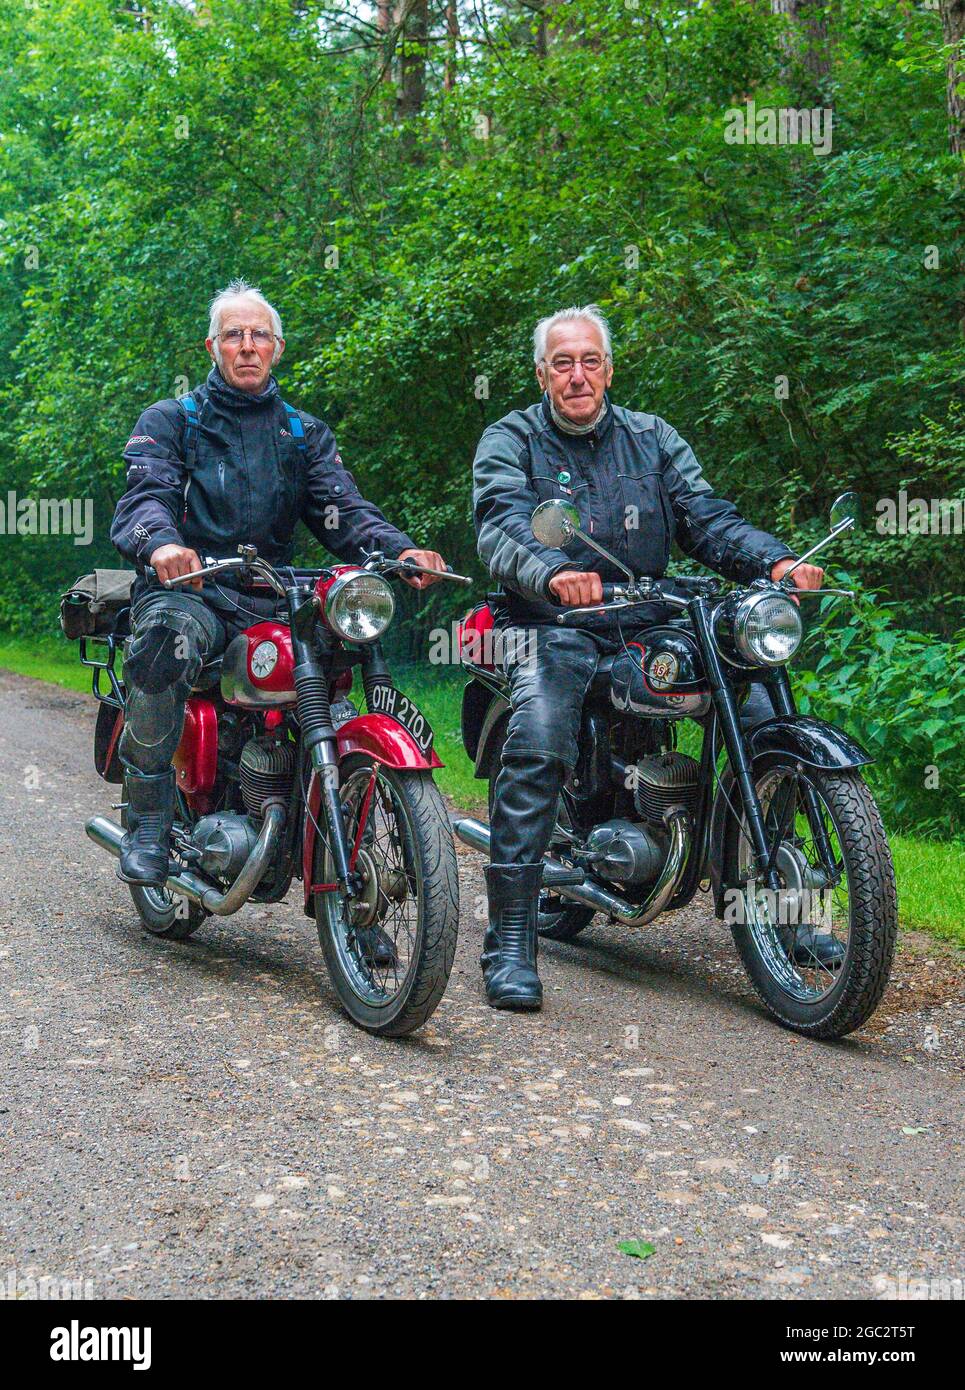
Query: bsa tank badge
{"points": [[664, 669]]}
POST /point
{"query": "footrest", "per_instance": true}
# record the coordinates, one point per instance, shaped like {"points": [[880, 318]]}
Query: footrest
{"points": [[555, 875]]}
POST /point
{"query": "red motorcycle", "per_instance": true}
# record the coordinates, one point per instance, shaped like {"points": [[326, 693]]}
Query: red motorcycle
{"points": [[279, 776]]}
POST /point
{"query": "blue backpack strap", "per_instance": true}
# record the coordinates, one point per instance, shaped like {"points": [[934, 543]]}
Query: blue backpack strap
{"points": [[193, 429], [295, 427], [191, 433]]}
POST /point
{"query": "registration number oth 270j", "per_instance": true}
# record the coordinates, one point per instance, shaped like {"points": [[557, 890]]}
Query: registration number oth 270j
{"points": [[386, 699]]}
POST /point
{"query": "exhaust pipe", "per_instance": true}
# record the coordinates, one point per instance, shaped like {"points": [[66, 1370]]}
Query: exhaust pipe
{"points": [[558, 878], [195, 887]]}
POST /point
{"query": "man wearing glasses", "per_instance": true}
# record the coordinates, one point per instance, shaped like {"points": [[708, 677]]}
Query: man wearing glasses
{"points": [[638, 487], [231, 464]]}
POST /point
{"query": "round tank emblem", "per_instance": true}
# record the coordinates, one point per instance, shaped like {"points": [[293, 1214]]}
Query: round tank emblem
{"points": [[264, 660], [664, 669]]}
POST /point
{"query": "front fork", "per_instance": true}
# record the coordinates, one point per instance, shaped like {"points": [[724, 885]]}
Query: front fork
{"points": [[733, 736], [779, 686], [318, 733]]}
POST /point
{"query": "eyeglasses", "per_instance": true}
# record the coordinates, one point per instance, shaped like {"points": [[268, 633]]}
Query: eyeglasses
{"points": [[564, 365], [261, 337]]}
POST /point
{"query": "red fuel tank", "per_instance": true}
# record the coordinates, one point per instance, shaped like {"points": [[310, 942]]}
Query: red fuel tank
{"points": [[257, 671]]}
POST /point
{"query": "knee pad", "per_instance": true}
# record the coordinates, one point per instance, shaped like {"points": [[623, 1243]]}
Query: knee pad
{"points": [[165, 654]]}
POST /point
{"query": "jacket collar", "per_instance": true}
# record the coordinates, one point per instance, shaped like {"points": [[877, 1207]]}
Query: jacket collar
{"points": [[603, 428], [240, 400]]}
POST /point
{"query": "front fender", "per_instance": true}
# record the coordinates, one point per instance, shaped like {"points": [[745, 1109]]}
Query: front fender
{"points": [[381, 739], [813, 742], [386, 741]]}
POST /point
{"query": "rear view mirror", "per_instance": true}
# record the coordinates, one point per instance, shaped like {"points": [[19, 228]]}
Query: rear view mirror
{"points": [[847, 507], [554, 523]]}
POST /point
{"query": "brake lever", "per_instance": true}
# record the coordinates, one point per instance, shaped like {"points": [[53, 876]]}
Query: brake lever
{"points": [[603, 608], [405, 567]]}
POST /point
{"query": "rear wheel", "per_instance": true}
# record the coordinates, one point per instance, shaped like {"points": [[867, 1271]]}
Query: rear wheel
{"points": [[818, 952], [409, 903], [162, 913]]}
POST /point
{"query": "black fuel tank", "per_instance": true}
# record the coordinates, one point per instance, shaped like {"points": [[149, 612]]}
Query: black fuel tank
{"points": [[660, 676]]}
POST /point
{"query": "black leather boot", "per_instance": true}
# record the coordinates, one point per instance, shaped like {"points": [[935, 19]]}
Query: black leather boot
{"points": [[810, 948], [376, 945], [150, 814], [509, 948]]}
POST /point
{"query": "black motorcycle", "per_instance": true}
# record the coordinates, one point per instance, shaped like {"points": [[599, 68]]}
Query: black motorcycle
{"points": [[778, 821]]}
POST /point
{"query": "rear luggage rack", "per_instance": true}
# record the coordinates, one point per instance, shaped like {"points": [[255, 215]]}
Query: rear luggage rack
{"points": [[116, 696]]}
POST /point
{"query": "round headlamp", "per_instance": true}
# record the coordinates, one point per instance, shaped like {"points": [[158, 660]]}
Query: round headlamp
{"points": [[359, 607], [767, 628]]}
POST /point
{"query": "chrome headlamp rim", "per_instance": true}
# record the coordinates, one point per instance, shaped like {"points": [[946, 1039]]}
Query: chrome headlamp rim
{"points": [[335, 592], [741, 617]]}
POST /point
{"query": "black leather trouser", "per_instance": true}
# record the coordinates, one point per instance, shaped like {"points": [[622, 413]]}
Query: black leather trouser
{"points": [[549, 671], [174, 633]]}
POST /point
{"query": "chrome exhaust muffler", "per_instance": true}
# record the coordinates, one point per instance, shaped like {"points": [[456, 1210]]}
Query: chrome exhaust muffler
{"points": [[195, 887], [591, 893]]}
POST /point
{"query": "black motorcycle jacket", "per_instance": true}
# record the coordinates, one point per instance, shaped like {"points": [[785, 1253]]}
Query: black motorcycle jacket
{"points": [[637, 486], [249, 485]]}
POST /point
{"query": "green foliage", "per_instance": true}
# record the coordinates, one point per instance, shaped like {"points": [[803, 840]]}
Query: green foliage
{"points": [[798, 317], [901, 694]]}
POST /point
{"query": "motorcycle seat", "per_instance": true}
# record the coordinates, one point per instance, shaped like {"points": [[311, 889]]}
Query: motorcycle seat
{"points": [[209, 675], [599, 687]]}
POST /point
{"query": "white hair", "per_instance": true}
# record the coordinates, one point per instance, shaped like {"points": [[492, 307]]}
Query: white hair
{"points": [[589, 313], [240, 289]]}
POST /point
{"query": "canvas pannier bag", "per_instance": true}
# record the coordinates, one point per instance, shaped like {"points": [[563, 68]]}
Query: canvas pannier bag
{"points": [[93, 603]]}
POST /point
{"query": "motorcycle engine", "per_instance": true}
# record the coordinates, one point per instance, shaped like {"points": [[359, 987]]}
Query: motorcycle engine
{"points": [[664, 784], [267, 768], [627, 853], [224, 840]]}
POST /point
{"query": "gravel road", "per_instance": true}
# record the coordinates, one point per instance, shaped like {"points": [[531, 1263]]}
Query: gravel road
{"points": [[199, 1119]]}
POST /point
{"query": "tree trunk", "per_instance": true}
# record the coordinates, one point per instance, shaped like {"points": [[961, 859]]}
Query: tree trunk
{"points": [[413, 16], [452, 35], [953, 32], [810, 45]]}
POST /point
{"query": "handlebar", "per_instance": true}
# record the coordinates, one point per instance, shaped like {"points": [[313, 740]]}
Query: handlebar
{"points": [[618, 597], [249, 561]]}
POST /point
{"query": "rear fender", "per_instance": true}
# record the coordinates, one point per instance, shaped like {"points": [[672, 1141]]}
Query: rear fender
{"points": [[107, 733], [490, 734]]}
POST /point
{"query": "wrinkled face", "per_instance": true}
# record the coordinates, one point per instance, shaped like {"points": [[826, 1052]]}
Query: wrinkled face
{"points": [[575, 370], [245, 363]]}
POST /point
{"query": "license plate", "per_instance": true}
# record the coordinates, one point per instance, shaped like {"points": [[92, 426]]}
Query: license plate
{"points": [[387, 700]]}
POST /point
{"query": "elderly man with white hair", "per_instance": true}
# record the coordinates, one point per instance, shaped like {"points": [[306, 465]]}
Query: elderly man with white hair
{"points": [[638, 487], [229, 464]]}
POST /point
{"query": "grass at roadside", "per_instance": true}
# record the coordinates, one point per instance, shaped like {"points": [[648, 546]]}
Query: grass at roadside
{"points": [[931, 875]]}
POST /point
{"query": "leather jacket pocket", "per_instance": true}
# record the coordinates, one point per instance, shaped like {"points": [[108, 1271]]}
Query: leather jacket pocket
{"points": [[648, 519]]}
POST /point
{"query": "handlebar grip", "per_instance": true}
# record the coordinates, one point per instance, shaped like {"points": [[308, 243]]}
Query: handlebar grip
{"points": [[150, 572]]}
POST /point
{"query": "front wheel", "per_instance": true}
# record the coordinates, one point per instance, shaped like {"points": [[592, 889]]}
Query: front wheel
{"points": [[389, 951], [818, 950]]}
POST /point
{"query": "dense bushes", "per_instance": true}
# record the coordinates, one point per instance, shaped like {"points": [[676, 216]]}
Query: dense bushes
{"points": [[797, 316]]}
